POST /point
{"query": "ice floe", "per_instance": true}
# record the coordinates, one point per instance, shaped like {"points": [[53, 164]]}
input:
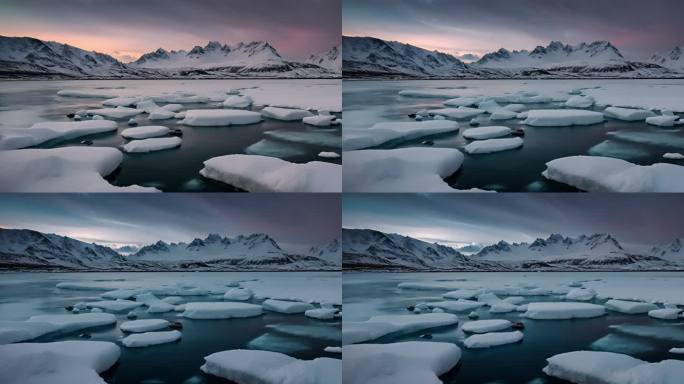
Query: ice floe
{"points": [[269, 174], [399, 363], [429, 93], [285, 114], [16, 331], [400, 170], [71, 323], [239, 102], [595, 174], [492, 339], [288, 307], [493, 145], [662, 121], [457, 113], [678, 351], [502, 307], [311, 136], [381, 133], [673, 156], [151, 145], [114, 305], [629, 307], [463, 101], [115, 113], [88, 93], [173, 107], [664, 138], [665, 313], [462, 294], [562, 117], [219, 117], [145, 132], [581, 294], [587, 367], [121, 101], [69, 169], [238, 294], [15, 138], [57, 363], [329, 155], [673, 332], [220, 310], [483, 133], [580, 102], [145, 325], [484, 326], [319, 120], [321, 313], [161, 114], [377, 326], [618, 343], [275, 148], [627, 114], [618, 149], [146, 339], [561, 311]]}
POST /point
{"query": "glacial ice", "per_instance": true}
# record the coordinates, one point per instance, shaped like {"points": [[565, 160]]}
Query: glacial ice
{"points": [[484, 326], [288, 307], [220, 310], [627, 114], [16, 138], [629, 307], [238, 102], [268, 174], [145, 325], [562, 117], [483, 133], [562, 311], [285, 114], [219, 117], [146, 339], [492, 339], [493, 145], [151, 145], [377, 326], [593, 173], [144, 132], [115, 113], [381, 133]]}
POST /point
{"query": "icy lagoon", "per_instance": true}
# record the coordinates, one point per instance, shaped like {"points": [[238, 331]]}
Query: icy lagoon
{"points": [[24, 103], [23, 295], [519, 169], [641, 336]]}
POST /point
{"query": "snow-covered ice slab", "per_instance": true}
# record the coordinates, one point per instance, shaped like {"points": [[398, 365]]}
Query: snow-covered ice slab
{"points": [[562, 117], [628, 114], [457, 113], [463, 101], [484, 326], [483, 133], [89, 93], [493, 145], [377, 326], [678, 351], [15, 138], [329, 155], [664, 138], [69, 169], [459, 305], [321, 313], [662, 121], [239, 102], [605, 174], [147, 339], [219, 117], [581, 294], [161, 114], [462, 294], [16, 331], [492, 339], [429, 93], [384, 132], [502, 307], [589, 367], [665, 313], [319, 120], [401, 363], [580, 102], [151, 145], [145, 325], [269, 174], [629, 307], [400, 170], [57, 363], [115, 113], [266, 367], [673, 156], [285, 114], [114, 305], [72, 323], [562, 311], [220, 310], [288, 307], [121, 101], [238, 294], [145, 132]]}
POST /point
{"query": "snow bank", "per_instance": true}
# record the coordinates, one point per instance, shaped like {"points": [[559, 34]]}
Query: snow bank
{"points": [[266, 367], [285, 114], [321, 313], [482, 133], [493, 145], [319, 120], [145, 325], [400, 170], [627, 114], [377, 326], [150, 338], [562, 311], [15, 138], [57, 363], [220, 310], [484, 326], [629, 307], [115, 113], [269, 174], [562, 117], [381, 133], [239, 102], [145, 132], [289, 307], [492, 339], [398, 363], [665, 313], [151, 145], [219, 117], [70, 169], [606, 174], [16, 331], [662, 121], [612, 368], [72, 323]]}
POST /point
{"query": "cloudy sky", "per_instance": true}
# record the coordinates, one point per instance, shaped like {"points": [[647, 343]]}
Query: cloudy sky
{"points": [[128, 28], [295, 221], [459, 219], [638, 28]]}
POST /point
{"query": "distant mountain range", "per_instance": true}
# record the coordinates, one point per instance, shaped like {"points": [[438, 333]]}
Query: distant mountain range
{"points": [[26, 57], [369, 57], [366, 249], [22, 249]]}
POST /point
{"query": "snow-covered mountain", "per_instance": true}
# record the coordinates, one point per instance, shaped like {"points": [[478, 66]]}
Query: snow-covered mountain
{"points": [[370, 249], [330, 59], [371, 57], [25, 57], [673, 60], [27, 249], [330, 252]]}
